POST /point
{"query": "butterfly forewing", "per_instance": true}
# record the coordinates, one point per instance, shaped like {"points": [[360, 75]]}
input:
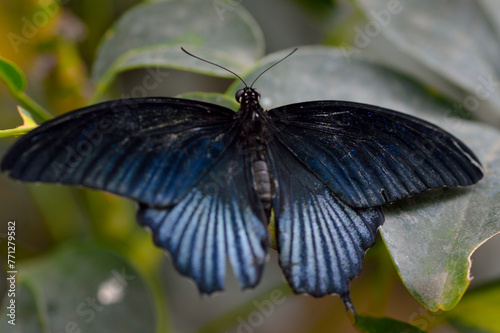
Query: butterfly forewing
{"points": [[152, 150], [368, 155]]}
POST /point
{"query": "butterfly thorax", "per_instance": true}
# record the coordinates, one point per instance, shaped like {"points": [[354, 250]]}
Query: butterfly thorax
{"points": [[255, 134]]}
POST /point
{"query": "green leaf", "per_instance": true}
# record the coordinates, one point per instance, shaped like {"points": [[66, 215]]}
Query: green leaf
{"points": [[12, 76], [453, 46], [152, 33], [370, 324], [28, 125], [82, 286], [478, 311], [431, 236]]}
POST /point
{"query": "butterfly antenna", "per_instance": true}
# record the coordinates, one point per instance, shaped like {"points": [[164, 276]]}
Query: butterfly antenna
{"points": [[268, 68], [212, 63]]}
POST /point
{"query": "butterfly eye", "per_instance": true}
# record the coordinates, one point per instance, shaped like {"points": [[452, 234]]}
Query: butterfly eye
{"points": [[239, 95], [257, 93]]}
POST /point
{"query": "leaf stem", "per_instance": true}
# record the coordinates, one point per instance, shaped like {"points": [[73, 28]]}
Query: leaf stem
{"points": [[16, 131]]}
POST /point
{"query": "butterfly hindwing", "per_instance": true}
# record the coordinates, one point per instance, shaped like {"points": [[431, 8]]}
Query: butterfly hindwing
{"points": [[368, 155], [220, 217], [321, 240], [152, 150]]}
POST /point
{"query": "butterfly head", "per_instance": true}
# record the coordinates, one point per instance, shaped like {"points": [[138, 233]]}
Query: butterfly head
{"points": [[247, 96]]}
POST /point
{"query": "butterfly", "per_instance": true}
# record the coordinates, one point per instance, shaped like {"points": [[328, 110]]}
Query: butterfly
{"points": [[209, 180]]}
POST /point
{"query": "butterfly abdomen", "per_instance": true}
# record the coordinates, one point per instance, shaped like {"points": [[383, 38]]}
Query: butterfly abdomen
{"points": [[262, 183]]}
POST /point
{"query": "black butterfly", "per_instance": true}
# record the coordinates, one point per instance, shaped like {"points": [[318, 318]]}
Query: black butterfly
{"points": [[207, 179]]}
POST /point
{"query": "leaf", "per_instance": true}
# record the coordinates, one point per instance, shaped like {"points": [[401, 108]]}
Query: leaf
{"points": [[431, 239], [453, 42], [82, 287], [478, 311], [28, 125], [370, 324], [12, 76], [152, 33]]}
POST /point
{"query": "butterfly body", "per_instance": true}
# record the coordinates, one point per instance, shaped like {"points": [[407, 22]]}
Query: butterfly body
{"points": [[255, 133]]}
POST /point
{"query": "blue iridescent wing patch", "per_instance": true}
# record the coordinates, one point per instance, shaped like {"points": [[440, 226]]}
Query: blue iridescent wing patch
{"points": [[321, 240], [220, 217]]}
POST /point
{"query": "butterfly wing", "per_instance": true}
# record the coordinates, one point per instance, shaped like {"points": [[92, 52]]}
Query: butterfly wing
{"points": [[220, 217], [321, 240], [369, 155], [180, 159], [153, 150]]}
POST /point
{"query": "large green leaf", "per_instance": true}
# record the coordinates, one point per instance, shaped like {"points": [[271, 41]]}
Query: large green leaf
{"points": [[455, 42], [81, 286], [152, 33], [432, 235]]}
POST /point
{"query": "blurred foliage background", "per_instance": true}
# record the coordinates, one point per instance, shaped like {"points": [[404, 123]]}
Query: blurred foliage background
{"points": [[83, 262]]}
